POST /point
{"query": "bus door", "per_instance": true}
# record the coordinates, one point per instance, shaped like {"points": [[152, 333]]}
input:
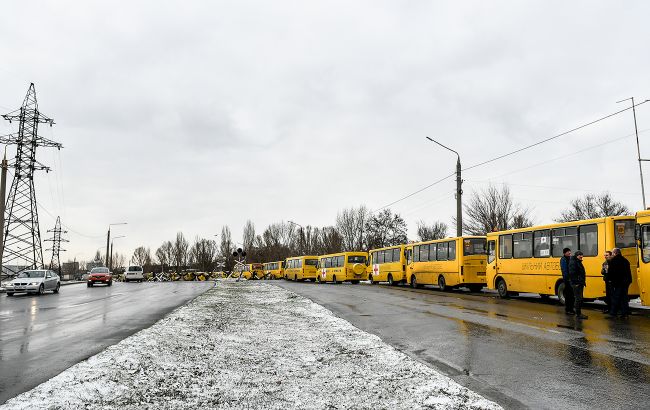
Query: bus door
{"points": [[643, 270], [491, 268]]}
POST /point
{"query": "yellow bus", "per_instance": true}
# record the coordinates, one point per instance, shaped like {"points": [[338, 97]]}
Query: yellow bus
{"points": [[301, 268], [274, 270], [343, 267], [388, 265], [253, 271], [643, 270], [528, 260], [448, 263]]}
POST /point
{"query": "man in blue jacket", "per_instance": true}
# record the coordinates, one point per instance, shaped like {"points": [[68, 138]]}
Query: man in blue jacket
{"points": [[568, 291]]}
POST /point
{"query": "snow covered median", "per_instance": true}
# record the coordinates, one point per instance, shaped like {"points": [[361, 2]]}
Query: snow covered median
{"points": [[250, 345]]}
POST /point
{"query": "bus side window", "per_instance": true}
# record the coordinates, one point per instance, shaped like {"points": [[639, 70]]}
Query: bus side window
{"points": [[491, 251], [588, 239], [505, 246], [452, 250], [408, 254], [416, 254]]}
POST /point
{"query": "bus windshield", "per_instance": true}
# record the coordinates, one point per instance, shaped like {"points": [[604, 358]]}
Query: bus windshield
{"points": [[474, 246]]}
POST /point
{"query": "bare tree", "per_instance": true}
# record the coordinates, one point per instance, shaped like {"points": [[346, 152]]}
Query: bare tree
{"points": [[180, 251], [493, 210], [248, 236], [330, 241], [350, 224], [226, 249], [119, 262], [593, 206], [142, 256], [384, 229], [203, 254], [437, 230], [165, 254]]}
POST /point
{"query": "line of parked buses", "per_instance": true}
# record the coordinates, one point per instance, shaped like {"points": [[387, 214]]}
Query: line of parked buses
{"points": [[510, 262]]}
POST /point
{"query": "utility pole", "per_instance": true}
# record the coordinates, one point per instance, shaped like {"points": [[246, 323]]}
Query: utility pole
{"points": [[22, 234], [108, 240], [56, 240], [459, 190], [638, 149], [3, 196]]}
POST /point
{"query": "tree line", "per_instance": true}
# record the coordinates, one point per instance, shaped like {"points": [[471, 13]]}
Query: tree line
{"points": [[355, 228]]}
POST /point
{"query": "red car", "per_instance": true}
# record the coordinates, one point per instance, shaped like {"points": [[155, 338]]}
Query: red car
{"points": [[100, 275]]}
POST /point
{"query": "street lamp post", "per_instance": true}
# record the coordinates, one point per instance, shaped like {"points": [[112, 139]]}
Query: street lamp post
{"points": [[110, 266], [302, 234], [459, 191], [108, 239]]}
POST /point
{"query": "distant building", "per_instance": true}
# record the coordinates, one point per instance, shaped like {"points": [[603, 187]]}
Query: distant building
{"points": [[70, 270]]}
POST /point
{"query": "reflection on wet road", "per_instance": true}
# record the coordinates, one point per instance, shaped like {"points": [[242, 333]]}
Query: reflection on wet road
{"points": [[40, 336], [520, 353]]}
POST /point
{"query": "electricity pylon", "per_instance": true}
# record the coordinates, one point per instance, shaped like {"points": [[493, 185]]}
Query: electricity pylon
{"points": [[56, 240], [22, 235]]}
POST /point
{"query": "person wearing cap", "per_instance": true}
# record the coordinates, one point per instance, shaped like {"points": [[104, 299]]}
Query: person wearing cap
{"points": [[567, 292], [578, 278]]}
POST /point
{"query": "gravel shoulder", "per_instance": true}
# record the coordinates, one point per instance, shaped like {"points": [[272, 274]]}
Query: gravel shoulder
{"points": [[250, 345]]}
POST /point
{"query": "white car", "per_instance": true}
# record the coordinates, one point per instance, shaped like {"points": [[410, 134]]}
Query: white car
{"points": [[34, 281], [134, 273]]}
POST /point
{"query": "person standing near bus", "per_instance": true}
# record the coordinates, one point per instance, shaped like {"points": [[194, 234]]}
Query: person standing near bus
{"points": [[578, 278], [608, 284], [568, 291], [620, 275]]}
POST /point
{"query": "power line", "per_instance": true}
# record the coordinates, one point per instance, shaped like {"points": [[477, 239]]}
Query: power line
{"points": [[551, 138], [510, 153], [414, 193]]}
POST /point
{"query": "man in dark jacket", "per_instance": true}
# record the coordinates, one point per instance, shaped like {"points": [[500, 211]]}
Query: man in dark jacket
{"points": [[568, 291], [578, 278], [620, 276], [608, 284]]}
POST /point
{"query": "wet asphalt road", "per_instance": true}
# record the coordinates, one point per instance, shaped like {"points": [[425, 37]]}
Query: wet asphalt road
{"points": [[40, 336], [521, 353]]}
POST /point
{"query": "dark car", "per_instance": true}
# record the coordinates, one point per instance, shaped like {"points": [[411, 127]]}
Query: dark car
{"points": [[100, 275]]}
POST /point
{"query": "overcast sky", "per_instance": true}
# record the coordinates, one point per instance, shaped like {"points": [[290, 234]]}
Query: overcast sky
{"points": [[187, 116]]}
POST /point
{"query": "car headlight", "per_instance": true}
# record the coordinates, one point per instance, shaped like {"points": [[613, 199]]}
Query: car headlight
{"points": [[33, 283], [10, 285]]}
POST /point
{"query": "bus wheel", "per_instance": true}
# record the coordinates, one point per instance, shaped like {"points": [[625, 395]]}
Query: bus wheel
{"points": [[559, 291], [391, 281], [372, 282], [502, 288], [414, 282], [442, 284], [334, 280]]}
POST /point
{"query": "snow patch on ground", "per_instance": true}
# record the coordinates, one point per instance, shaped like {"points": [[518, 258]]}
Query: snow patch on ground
{"points": [[250, 345]]}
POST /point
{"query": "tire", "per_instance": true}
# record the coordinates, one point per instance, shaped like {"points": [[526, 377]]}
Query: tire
{"points": [[126, 280], [502, 288], [442, 284], [110, 283], [41, 289], [391, 281], [10, 293], [559, 291], [90, 284], [372, 282], [58, 286], [334, 280], [414, 282]]}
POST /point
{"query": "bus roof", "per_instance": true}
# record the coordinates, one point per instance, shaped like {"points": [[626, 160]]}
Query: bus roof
{"points": [[451, 238]]}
